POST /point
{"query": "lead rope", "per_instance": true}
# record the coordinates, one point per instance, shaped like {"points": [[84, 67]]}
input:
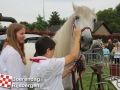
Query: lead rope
{"points": [[77, 64]]}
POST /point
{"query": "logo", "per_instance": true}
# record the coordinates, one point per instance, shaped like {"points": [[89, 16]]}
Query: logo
{"points": [[5, 81]]}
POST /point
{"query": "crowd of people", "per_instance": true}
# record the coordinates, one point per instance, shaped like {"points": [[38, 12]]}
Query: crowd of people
{"points": [[111, 52]]}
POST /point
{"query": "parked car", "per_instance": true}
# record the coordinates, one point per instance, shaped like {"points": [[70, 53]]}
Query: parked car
{"points": [[29, 38]]}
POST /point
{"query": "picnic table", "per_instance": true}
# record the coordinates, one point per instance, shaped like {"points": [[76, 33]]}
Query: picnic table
{"points": [[115, 81]]}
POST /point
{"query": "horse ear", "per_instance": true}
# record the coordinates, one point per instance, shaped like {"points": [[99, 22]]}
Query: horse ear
{"points": [[93, 9], [74, 6]]}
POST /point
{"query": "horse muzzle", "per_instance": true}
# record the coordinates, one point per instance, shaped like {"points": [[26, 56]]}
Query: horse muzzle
{"points": [[86, 40], [85, 43]]}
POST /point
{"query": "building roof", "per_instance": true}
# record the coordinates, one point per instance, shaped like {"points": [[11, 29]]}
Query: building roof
{"points": [[98, 24], [54, 28]]}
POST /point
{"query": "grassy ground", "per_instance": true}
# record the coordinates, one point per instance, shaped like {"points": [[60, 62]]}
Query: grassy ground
{"points": [[87, 78]]}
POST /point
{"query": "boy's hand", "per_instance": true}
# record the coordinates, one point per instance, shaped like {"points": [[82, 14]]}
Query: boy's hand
{"points": [[72, 68], [77, 32]]}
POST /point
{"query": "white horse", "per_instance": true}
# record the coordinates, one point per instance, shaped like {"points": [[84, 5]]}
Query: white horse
{"points": [[64, 38]]}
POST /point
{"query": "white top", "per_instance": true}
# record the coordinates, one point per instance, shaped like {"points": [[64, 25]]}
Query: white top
{"points": [[50, 73], [11, 64], [117, 53]]}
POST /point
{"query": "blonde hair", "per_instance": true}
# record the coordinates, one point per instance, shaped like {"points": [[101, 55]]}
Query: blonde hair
{"points": [[117, 45], [12, 40]]}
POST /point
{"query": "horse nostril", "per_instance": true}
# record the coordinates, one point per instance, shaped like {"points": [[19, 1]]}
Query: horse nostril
{"points": [[82, 39]]}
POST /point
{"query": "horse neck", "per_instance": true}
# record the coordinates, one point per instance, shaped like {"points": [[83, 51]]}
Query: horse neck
{"points": [[64, 39]]}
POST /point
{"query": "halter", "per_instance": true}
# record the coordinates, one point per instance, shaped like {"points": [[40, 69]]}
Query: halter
{"points": [[80, 68], [74, 26]]}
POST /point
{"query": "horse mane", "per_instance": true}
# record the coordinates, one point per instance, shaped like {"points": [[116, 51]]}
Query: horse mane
{"points": [[63, 39]]}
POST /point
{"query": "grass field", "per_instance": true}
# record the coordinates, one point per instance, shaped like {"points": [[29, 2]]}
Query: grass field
{"points": [[87, 78]]}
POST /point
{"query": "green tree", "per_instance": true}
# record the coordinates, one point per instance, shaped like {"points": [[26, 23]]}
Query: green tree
{"points": [[26, 24], [54, 19], [118, 8], [33, 26], [111, 18], [40, 24]]}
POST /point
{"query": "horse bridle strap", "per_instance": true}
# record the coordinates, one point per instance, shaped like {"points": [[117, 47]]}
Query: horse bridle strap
{"points": [[74, 26], [85, 28], [77, 64]]}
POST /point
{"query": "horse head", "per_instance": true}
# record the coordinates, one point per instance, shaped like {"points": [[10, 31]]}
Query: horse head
{"points": [[84, 18]]}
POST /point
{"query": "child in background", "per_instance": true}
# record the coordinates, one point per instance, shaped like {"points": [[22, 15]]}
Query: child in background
{"points": [[106, 53], [116, 51]]}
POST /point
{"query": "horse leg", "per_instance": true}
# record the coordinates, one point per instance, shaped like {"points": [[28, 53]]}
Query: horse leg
{"points": [[67, 82]]}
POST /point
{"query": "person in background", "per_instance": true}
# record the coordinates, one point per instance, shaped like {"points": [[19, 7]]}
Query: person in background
{"points": [[12, 57], [106, 53], [51, 70], [116, 51], [110, 48]]}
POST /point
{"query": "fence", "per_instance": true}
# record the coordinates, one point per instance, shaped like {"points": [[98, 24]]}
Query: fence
{"points": [[95, 56]]}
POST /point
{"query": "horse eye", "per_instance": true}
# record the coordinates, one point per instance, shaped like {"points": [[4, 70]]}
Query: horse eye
{"points": [[94, 20], [76, 17]]}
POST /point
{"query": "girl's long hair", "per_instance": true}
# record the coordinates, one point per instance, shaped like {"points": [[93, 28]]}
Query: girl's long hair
{"points": [[12, 40]]}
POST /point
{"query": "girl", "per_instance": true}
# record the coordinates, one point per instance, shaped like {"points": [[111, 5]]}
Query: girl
{"points": [[12, 58], [51, 70], [116, 51]]}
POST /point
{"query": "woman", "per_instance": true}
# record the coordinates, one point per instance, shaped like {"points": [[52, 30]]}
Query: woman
{"points": [[51, 70], [12, 58], [116, 51]]}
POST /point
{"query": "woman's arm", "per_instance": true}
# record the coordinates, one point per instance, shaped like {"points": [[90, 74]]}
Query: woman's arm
{"points": [[76, 48], [68, 70]]}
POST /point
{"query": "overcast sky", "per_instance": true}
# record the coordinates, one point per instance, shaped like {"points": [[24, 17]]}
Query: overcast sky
{"points": [[28, 10]]}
